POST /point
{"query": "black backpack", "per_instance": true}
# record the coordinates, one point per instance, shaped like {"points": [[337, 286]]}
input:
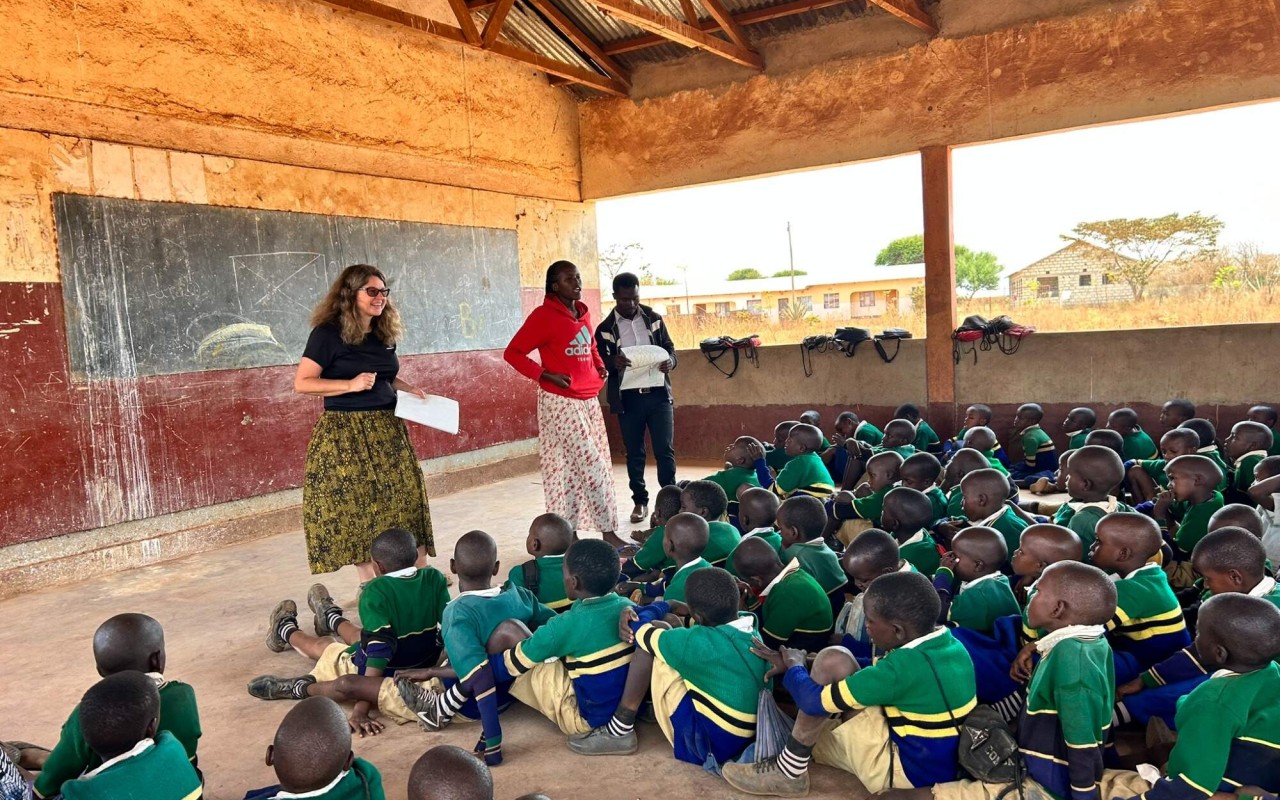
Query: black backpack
{"points": [[987, 750]]}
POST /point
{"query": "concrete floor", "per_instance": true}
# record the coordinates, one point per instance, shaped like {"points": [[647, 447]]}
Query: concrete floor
{"points": [[214, 608]]}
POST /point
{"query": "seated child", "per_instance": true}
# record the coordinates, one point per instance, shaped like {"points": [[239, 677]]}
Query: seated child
{"points": [[906, 517], [312, 757], [650, 556], [1040, 546], [1208, 435], [1237, 515], [1064, 726], [573, 668], [401, 611], [977, 415], [1266, 415], [852, 512], [1184, 510], [704, 681], [899, 735], [804, 473], [1266, 485], [475, 655], [1246, 445], [986, 495], [872, 554], [1137, 444], [708, 500], [969, 584], [686, 540], [776, 454], [898, 437], [848, 426], [758, 513], [119, 718], [1230, 560], [739, 466], [1039, 457], [1094, 475], [446, 772], [1228, 728], [124, 643], [984, 440], [1105, 437], [549, 537], [921, 472], [927, 440], [1148, 626], [814, 418], [963, 461], [1176, 412], [793, 609], [1078, 425], [1147, 476], [801, 522]]}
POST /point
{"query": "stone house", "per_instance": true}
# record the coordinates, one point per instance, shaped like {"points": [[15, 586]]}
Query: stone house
{"points": [[1080, 273]]}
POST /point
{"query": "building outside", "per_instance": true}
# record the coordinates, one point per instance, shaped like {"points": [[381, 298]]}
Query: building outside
{"points": [[874, 292], [1078, 274]]}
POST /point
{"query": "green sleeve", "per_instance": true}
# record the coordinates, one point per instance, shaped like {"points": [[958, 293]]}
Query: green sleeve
{"points": [[651, 555], [539, 614], [180, 715], [869, 507], [1205, 733], [547, 641], [782, 616], [69, 759], [442, 594], [516, 576], [788, 480], [1080, 725], [877, 685], [462, 642], [375, 617], [968, 611]]}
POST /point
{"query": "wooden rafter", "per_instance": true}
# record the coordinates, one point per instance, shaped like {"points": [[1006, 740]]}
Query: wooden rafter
{"points": [[465, 23], [581, 40], [586, 77], [690, 13], [911, 12], [726, 22], [751, 17], [669, 28], [494, 24]]}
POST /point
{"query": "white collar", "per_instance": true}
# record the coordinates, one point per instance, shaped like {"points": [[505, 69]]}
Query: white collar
{"points": [[1224, 673], [907, 566], [158, 679], [759, 531], [987, 577], [138, 749], [1073, 433], [1265, 587], [692, 563], [986, 523], [1049, 641], [317, 792], [916, 538], [1029, 428], [1213, 448], [933, 635], [1118, 577], [1110, 505], [407, 572], [811, 543], [492, 591], [1252, 453], [787, 570], [746, 623], [861, 424]]}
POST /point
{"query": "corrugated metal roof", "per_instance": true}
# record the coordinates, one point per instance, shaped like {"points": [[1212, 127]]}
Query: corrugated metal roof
{"points": [[523, 27]]}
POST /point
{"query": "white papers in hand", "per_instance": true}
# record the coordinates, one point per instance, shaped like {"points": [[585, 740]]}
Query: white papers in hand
{"points": [[643, 372], [436, 412]]}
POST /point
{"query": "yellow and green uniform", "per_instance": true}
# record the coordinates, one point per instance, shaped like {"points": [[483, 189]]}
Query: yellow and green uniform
{"points": [[795, 611], [994, 461], [821, 562], [723, 538], [152, 770], [1065, 727], [1009, 524], [921, 552], [1082, 517], [550, 590], [400, 615], [978, 603], [361, 782], [918, 710], [775, 457], [1038, 452], [651, 555], [804, 474], [927, 438], [868, 508], [674, 588], [731, 478], [72, 757], [1148, 625], [1228, 737], [586, 638], [1193, 521], [866, 432], [1138, 446], [1075, 439], [723, 680], [1242, 477]]}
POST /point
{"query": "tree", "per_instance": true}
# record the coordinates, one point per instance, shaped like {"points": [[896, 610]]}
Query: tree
{"points": [[619, 258], [976, 271], [907, 250], [1141, 246], [787, 273], [748, 274]]}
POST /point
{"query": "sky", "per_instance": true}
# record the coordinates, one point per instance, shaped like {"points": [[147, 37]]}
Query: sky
{"points": [[1014, 198]]}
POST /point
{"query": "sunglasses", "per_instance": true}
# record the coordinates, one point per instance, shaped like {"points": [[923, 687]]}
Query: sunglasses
{"points": [[374, 291]]}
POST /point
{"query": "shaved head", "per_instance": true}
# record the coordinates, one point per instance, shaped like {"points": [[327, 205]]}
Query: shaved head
{"points": [[1086, 591], [1052, 543], [446, 772], [980, 438], [128, 642], [756, 558], [475, 555], [688, 534], [760, 506], [554, 531], [312, 745], [1237, 515], [982, 544], [1138, 532]]}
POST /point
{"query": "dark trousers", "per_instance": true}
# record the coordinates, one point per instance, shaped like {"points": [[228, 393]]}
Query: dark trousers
{"points": [[652, 411]]}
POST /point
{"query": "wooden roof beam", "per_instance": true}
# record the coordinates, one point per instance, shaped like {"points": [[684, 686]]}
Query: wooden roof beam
{"points": [[726, 22], [751, 17], [581, 40], [451, 33], [673, 30], [910, 12], [493, 26]]}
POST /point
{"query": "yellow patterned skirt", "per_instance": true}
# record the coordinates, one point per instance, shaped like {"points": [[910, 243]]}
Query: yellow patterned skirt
{"points": [[361, 478]]}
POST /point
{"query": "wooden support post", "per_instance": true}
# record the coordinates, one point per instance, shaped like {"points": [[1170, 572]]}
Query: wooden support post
{"points": [[939, 282]]}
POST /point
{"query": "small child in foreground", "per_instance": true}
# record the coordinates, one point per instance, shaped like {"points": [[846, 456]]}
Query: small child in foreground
{"points": [[312, 757], [119, 718], [549, 537], [970, 587]]}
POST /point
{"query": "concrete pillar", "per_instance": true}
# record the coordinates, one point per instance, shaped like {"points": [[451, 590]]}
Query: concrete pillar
{"points": [[939, 281]]}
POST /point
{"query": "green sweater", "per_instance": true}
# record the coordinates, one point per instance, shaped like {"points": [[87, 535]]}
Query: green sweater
{"points": [[1242, 478], [866, 432], [731, 478], [921, 553], [723, 539], [1193, 522], [159, 770], [819, 561], [551, 591], [674, 589], [361, 782], [769, 535], [1082, 517], [796, 612], [981, 601], [407, 609], [72, 757], [804, 474], [1138, 446], [926, 437], [939, 500]]}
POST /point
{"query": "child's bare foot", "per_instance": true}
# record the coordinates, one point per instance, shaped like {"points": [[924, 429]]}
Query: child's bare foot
{"points": [[613, 539]]}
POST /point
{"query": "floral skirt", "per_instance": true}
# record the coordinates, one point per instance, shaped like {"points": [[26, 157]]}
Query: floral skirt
{"points": [[361, 478], [577, 468]]}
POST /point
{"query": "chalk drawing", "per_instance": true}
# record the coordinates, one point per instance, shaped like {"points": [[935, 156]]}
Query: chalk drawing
{"points": [[8, 329]]}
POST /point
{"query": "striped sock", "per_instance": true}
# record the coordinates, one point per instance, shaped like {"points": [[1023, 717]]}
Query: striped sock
{"points": [[333, 617], [286, 627], [622, 722], [794, 759], [300, 686], [450, 702]]}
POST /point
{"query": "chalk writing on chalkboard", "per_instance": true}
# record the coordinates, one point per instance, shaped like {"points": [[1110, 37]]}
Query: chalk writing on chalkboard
{"points": [[156, 288]]}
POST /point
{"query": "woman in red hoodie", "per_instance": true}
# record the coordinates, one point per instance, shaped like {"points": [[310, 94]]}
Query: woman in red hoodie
{"points": [[577, 468]]}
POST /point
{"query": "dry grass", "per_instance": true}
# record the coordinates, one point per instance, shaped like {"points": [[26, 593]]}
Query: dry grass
{"points": [[1208, 307]]}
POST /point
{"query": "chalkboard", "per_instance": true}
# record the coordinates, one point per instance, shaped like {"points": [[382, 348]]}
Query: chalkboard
{"points": [[159, 288]]}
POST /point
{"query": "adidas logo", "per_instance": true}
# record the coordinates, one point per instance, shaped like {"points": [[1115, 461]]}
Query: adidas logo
{"points": [[581, 344]]}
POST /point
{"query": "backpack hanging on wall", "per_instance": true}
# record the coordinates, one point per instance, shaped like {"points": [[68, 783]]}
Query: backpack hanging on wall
{"points": [[982, 334], [848, 339], [717, 347], [895, 335]]}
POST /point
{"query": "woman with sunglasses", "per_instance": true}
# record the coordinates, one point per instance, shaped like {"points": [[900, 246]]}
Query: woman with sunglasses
{"points": [[361, 476]]}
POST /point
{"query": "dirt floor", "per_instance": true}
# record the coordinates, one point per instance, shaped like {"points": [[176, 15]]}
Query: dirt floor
{"points": [[214, 608]]}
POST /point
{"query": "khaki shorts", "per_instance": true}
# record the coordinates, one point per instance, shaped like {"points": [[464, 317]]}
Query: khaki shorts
{"points": [[850, 529], [1114, 783], [336, 662], [666, 690], [861, 746], [547, 689]]}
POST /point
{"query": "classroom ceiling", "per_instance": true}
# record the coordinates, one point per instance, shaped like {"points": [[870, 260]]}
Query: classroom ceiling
{"points": [[594, 45]]}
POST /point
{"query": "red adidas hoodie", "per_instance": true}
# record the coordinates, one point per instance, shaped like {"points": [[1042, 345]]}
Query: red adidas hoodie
{"points": [[566, 345]]}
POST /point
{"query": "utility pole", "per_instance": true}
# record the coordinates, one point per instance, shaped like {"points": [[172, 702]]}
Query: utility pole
{"points": [[685, 269], [791, 257]]}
